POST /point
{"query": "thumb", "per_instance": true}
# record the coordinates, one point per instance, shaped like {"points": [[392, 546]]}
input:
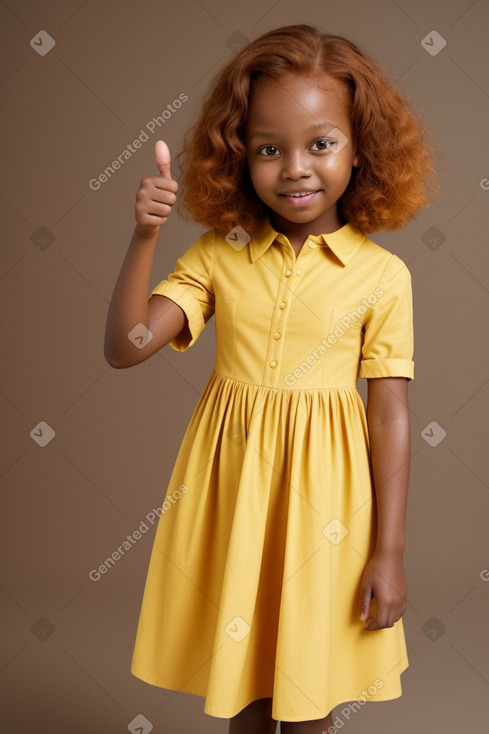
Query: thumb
{"points": [[365, 602], [163, 159]]}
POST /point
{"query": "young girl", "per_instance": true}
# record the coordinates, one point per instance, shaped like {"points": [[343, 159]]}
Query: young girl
{"points": [[276, 584]]}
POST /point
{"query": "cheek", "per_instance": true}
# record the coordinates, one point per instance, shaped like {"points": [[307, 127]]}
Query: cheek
{"points": [[251, 169], [335, 165], [260, 175]]}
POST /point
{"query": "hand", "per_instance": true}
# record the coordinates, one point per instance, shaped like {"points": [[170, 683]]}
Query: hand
{"points": [[156, 195], [384, 579]]}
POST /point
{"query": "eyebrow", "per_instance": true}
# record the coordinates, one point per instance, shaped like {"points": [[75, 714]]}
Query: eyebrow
{"points": [[270, 133]]}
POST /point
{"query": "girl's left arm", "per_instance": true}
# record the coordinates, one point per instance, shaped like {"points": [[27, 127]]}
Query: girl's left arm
{"points": [[388, 426]]}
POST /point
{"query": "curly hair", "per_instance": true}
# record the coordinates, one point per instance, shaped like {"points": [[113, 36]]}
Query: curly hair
{"points": [[390, 186]]}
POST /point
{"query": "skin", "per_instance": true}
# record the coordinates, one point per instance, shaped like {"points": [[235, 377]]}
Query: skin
{"points": [[291, 143], [315, 160], [129, 304]]}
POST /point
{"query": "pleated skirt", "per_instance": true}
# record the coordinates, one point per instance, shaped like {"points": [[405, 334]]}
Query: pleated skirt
{"points": [[253, 586]]}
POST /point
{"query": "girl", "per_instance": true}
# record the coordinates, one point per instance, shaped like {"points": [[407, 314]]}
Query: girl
{"points": [[276, 584]]}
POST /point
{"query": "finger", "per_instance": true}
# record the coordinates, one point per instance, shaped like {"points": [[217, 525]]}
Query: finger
{"points": [[163, 159], [371, 624], [365, 602], [383, 620]]}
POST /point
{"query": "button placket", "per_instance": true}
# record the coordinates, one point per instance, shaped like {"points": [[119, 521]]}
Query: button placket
{"points": [[279, 317], [281, 310]]}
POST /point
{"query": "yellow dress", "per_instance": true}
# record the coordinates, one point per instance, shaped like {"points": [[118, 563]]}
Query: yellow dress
{"points": [[253, 587]]}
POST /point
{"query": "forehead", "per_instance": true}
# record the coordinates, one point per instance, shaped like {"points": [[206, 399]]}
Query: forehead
{"points": [[298, 100]]}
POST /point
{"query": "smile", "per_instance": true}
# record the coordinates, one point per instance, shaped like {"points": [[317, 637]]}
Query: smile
{"points": [[301, 198]]}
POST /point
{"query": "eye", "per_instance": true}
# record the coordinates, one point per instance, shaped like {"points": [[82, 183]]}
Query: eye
{"points": [[271, 148], [323, 144]]}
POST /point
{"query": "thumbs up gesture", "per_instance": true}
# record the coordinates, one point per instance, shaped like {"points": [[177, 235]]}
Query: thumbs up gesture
{"points": [[156, 195]]}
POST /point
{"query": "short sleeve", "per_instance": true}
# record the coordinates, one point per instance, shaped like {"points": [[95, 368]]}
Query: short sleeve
{"points": [[388, 339], [190, 286]]}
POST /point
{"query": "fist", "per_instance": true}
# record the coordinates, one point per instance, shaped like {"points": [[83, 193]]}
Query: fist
{"points": [[156, 195]]}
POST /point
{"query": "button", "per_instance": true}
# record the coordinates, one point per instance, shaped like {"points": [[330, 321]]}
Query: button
{"points": [[277, 335], [283, 305], [311, 244], [299, 271], [288, 273], [273, 363]]}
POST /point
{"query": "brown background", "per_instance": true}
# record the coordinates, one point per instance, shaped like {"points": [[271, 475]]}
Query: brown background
{"points": [[66, 506]]}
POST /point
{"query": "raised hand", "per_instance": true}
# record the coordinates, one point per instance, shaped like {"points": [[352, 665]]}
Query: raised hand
{"points": [[156, 195]]}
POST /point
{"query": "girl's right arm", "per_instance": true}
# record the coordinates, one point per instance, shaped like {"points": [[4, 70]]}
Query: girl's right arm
{"points": [[130, 305]]}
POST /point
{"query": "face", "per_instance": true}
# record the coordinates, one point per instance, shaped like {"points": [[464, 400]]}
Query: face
{"points": [[299, 148]]}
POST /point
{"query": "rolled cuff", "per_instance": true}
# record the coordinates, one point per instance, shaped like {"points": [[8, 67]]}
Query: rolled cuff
{"points": [[387, 368], [181, 295]]}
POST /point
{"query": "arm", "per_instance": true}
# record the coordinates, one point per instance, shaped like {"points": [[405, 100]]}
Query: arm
{"points": [[388, 425], [130, 305]]}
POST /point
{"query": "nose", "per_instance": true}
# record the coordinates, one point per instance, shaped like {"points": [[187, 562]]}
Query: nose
{"points": [[295, 166]]}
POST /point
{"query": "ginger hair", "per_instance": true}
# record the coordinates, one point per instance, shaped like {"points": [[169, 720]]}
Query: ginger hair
{"points": [[385, 192]]}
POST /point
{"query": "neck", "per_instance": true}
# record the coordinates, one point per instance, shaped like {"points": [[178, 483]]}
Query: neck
{"points": [[299, 231]]}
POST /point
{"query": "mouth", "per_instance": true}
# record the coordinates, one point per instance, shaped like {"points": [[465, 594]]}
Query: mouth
{"points": [[299, 198]]}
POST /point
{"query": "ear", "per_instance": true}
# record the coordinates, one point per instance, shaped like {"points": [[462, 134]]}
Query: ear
{"points": [[357, 161]]}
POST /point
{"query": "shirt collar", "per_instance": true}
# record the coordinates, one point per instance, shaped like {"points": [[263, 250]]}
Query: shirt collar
{"points": [[343, 243]]}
